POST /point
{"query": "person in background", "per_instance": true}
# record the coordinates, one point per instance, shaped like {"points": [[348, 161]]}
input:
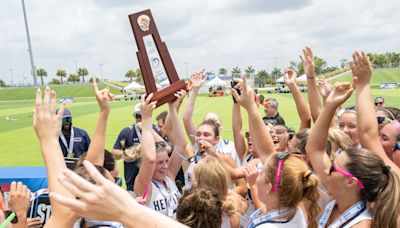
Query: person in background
{"points": [[379, 102], [74, 141], [271, 113], [129, 137]]}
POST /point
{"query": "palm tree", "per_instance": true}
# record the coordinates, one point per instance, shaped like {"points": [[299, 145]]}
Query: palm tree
{"points": [[130, 74], [249, 71], [222, 71], [41, 73], [61, 73], [262, 77], [138, 75], [276, 73], [236, 72], [82, 72], [73, 78]]}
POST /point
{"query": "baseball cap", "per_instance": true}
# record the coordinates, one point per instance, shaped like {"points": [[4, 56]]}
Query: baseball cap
{"points": [[66, 113], [137, 110]]}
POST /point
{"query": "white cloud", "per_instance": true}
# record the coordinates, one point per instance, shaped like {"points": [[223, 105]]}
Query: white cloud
{"points": [[204, 33]]}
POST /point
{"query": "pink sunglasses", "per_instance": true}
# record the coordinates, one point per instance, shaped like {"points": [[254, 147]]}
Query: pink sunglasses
{"points": [[345, 173]]}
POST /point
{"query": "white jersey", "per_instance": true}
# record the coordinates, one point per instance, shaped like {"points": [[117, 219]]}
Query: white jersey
{"points": [[164, 200], [225, 146]]}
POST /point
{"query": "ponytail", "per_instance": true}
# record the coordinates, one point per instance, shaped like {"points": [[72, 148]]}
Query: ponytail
{"points": [[228, 207], [311, 193], [385, 208]]}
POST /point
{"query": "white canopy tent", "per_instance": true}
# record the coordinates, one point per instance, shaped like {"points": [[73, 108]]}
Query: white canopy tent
{"points": [[132, 86], [302, 78], [216, 82]]}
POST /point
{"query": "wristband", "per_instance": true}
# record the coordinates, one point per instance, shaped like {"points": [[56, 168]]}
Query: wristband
{"points": [[181, 156], [311, 78]]}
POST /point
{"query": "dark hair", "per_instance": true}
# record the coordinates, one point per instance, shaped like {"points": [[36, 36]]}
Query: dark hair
{"points": [[82, 171], [212, 124], [162, 116], [109, 161], [379, 97], [200, 207], [381, 186]]}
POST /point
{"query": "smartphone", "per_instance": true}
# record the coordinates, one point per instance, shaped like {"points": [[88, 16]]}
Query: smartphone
{"points": [[233, 84]]}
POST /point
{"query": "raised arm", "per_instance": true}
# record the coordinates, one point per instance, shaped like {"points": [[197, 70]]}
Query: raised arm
{"points": [[107, 201], [147, 149], [367, 125], [96, 149], [316, 142], [238, 137], [177, 137], [301, 105], [261, 137], [197, 81], [47, 126], [313, 97]]}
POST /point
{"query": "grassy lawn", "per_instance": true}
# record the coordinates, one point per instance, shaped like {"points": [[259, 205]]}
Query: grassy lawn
{"points": [[378, 76], [80, 90], [20, 146]]}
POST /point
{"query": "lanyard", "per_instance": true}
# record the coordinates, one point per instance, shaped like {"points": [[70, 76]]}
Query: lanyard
{"points": [[70, 148], [167, 197], [351, 213], [104, 223], [138, 133], [271, 216]]}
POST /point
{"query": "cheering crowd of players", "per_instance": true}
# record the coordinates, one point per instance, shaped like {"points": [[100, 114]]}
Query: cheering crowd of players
{"points": [[341, 171]]}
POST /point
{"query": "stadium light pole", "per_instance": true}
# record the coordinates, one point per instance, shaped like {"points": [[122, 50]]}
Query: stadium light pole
{"points": [[76, 66], [101, 71], [12, 77], [33, 70]]}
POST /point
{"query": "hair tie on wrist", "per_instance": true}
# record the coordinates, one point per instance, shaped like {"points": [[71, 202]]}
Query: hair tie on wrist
{"points": [[386, 170]]}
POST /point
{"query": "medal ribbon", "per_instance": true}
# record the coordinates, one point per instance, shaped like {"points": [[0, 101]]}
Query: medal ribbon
{"points": [[348, 215], [70, 148], [271, 216]]}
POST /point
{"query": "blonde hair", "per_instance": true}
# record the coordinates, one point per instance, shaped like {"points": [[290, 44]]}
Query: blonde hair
{"points": [[209, 172], [133, 153], [296, 184]]}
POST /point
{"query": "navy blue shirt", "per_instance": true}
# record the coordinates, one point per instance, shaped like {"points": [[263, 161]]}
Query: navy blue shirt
{"points": [[131, 169], [81, 143]]}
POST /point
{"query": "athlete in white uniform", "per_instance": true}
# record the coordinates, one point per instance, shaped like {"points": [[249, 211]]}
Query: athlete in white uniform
{"points": [[154, 180]]}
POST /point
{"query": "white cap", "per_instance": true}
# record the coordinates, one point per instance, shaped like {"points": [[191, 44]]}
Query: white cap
{"points": [[137, 110]]}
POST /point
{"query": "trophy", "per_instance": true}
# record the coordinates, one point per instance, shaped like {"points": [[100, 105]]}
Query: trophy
{"points": [[154, 59]]}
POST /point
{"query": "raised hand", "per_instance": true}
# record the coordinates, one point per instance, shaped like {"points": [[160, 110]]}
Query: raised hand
{"points": [[340, 94], [206, 148], [307, 59], [198, 79], [324, 87], [290, 77], [46, 122], [251, 173], [246, 99], [19, 197], [103, 96], [147, 107], [179, 98], [100, 201], [361, 68]]}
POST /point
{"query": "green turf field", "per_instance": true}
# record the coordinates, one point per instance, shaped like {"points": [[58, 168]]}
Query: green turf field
{"points": [[19, 146], [28, 93], [378, 76]]}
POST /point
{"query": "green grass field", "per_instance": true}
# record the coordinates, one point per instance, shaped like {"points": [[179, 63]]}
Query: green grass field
{"points": [[19, 145], [79, 90], [378, 76]]}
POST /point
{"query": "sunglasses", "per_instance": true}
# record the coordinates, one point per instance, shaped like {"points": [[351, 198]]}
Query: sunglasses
{"points": [[137, 116], [281, 157], [9, 213], [345, 173], [378, 103], [66, 120]]}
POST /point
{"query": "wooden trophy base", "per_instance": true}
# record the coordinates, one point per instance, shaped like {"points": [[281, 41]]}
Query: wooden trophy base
{"points": [[167, 94]]}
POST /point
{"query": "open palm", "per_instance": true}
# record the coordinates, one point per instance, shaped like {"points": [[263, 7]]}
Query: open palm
{"points": [[340, 94]]}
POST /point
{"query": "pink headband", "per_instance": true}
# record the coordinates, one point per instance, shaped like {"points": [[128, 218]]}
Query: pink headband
{"points": [[396, 125]]}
